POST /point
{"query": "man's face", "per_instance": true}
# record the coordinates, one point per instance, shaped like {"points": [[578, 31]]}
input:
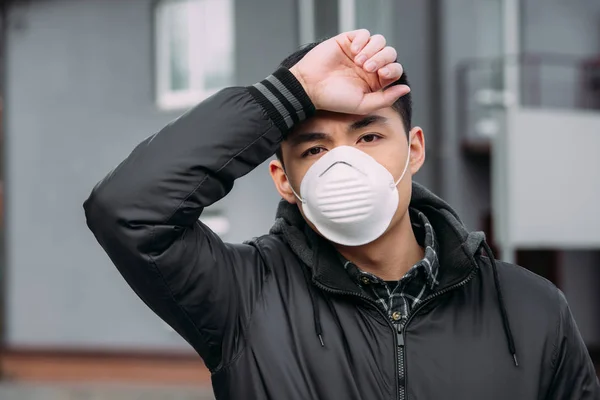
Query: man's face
{"points": [[380, 134]]}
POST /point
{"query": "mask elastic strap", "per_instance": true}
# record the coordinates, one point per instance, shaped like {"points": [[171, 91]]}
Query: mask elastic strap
{"points": [[293, 191], [405, 165]]}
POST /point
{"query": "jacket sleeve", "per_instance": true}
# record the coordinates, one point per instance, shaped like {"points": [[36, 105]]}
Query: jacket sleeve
{"points": [[145, 212], [574, 376]]}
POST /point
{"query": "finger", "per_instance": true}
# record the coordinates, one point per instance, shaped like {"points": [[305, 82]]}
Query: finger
{"points": [[381, 99], [359, 39], [375, 45], [381, 59], [390, 73]]}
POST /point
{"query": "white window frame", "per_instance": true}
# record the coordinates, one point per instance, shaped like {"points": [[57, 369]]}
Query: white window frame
{"points": [[166, 98], [346, 15]]}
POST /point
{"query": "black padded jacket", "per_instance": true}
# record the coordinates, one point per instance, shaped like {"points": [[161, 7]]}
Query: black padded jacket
{"points": [[278, 318]]}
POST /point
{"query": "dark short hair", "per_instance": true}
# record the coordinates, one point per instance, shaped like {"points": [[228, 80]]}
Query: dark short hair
{"points": [[403, 105]]}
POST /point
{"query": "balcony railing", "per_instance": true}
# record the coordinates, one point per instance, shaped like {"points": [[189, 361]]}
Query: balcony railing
{"points": [[545, 81]]}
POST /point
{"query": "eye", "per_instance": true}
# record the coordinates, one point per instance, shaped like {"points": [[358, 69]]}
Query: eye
{"points": [[369, 138], [313, 151]]}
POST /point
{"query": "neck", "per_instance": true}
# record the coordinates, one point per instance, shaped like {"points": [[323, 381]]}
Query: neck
{"points": [[390, 256]]}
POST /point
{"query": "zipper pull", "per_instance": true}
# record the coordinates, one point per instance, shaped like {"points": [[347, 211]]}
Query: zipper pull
{"points": [[400, 338]]}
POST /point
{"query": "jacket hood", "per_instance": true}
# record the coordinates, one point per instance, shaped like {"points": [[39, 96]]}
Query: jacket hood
{"points": [[456, 252], [457, 245]]}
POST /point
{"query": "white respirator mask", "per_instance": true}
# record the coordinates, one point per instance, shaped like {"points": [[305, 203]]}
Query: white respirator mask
{"points": [[349, 197]]}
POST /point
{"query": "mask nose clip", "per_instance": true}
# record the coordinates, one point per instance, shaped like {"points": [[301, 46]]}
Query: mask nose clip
{"points": [[338, 163]]}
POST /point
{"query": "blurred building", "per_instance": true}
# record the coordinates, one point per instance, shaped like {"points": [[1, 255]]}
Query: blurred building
{"points": [[86, 80]]}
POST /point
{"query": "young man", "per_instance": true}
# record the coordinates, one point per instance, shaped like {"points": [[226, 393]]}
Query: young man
{"points": [[368, 286]]}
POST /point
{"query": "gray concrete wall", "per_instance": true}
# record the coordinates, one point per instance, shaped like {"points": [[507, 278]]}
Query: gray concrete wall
{"points": [[79, 96], [571, 29], [556, 26], [467, 32]]}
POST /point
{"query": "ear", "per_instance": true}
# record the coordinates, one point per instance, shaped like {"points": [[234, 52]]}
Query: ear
{"points": [[417, 149], [280, 179]]}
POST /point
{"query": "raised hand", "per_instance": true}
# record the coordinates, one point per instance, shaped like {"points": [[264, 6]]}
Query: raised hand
{"points": [[350, 73]]}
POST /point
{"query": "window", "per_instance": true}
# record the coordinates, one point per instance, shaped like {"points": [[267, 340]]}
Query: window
{"points": [[194, 50]]}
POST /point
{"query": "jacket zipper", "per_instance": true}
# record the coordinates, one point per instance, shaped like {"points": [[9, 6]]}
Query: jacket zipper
{"points": [[401, 366], [399, 337], [402, 329]]}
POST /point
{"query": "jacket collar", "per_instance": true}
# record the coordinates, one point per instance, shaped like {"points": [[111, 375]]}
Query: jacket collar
{"points": [[457, 246]]}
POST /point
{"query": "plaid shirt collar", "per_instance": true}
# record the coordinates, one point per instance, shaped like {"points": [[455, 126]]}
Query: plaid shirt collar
{"points": [[398, 298]]}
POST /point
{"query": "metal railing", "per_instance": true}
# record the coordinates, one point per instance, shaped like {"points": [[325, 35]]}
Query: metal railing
{"points": [[545, 81]]}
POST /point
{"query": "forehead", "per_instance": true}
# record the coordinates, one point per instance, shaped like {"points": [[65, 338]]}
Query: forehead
{"points": [[324, 121]]}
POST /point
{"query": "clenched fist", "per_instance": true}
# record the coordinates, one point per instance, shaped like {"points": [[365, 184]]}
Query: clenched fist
{"points": [[350, 73]]}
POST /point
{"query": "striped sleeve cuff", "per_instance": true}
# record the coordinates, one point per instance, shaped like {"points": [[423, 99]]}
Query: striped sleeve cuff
{"points": [[284, 99]]}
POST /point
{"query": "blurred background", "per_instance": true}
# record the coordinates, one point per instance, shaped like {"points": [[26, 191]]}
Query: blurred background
{"points": [[507, 92]]}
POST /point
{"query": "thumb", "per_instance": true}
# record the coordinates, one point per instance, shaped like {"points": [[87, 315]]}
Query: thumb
{"points": [[381, 99]]}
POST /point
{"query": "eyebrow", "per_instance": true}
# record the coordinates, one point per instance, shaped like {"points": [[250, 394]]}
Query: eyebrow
{"points": [[306, 137]]}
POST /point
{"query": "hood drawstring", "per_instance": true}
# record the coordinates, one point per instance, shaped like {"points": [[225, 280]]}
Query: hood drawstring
{"points": [[505, 322], [315, 305], [501, 305]]}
